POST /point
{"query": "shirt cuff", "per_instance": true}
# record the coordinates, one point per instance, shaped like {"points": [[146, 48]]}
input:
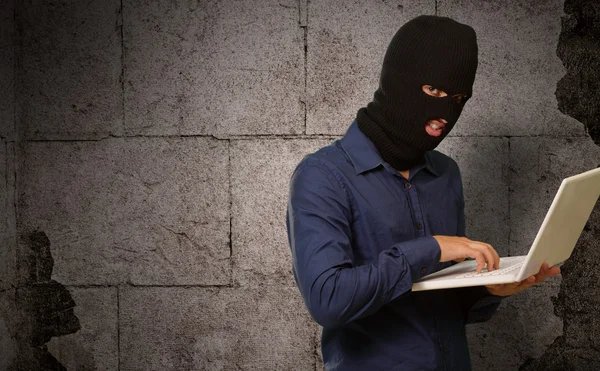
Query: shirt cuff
{"points": [[423, 255]]}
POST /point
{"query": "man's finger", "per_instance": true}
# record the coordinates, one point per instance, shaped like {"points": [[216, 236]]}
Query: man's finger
{"points": [[487, 254], [495, 255], [555, 271], [527, 282], [480, 258], [543, 273], [546, 271], [490, 256]]}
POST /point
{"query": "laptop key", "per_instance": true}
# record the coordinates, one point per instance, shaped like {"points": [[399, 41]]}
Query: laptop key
{"points": [[496, 272]]}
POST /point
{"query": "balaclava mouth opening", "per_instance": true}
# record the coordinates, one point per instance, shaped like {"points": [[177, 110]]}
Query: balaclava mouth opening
{"points": [[427, 50]]}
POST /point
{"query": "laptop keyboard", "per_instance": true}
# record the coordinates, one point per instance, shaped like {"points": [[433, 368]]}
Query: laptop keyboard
{"points": [[515, 264]]}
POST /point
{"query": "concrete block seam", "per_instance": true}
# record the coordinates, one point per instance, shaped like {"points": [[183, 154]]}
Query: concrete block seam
{"points": [[509, 192], [6, 172], [118, 328], [316, 345], [122, 75], [303, 10], [281, 136], [14, 91], [230, 204], [133, 285]]}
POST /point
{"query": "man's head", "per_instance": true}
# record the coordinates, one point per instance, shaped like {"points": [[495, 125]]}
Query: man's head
{"points": [[426, 78]]}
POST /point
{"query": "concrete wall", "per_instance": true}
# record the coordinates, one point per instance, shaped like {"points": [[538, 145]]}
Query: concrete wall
{"points": [[146, 148]]}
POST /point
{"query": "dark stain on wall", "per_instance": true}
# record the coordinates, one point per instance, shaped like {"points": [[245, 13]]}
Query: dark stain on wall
{"points": [[44, 307], [579, 50], [577, 303], [578, 349]]}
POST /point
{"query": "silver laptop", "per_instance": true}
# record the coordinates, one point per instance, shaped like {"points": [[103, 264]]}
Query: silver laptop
{"points": [[556, 239]]}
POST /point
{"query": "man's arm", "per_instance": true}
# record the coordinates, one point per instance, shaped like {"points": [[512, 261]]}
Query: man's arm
{"points": [[335, 290]]}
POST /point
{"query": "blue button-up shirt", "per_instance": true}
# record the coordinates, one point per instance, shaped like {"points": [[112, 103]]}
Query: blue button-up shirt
{"points": [[360, 235]]}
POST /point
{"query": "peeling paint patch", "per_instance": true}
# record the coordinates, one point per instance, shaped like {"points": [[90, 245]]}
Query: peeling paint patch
{"points": [[50, 308], [578, 49], [579, 296], [577, 302]]}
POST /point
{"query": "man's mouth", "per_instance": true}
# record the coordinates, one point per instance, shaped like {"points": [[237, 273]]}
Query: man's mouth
{"points": [[435, 127]]}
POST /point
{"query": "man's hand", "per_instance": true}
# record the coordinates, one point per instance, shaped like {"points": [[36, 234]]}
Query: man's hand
{"points": [[507, 289], [459, 248]]}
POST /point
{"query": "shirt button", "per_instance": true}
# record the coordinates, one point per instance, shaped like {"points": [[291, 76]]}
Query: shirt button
{"points": [[423, 270], [419, 225], [407, 185]]}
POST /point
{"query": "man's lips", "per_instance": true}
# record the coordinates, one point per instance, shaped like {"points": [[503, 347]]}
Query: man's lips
{"points": [[435, 132]]}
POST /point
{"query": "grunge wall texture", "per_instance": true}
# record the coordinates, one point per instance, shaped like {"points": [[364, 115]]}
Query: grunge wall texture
{"points": [[146, 148]]}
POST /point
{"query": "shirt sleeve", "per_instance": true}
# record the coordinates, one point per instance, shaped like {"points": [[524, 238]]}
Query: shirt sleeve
{"points": [[335, 290], [477, 303]]}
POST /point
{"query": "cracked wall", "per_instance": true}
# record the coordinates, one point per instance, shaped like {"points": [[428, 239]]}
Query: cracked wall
{"points": [[146, 149], [577, 304]]}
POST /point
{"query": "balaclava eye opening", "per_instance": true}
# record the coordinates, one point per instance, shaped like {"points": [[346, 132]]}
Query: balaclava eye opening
{"points": [[428, 50]]}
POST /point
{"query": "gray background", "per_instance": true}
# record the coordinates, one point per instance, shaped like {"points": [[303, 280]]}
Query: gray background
{"points": [[146, 149]]}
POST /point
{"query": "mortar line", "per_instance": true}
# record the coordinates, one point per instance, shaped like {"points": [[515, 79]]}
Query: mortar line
{"points": [[100, 286], [315, 346], [118, 328], [305, 78], [305, 39], [288, 136], [176, 136], [15, 187], [510, 177], [122, 71], [11, 261], [6, 175], [229, 176], [15, 38], [17, 56]]}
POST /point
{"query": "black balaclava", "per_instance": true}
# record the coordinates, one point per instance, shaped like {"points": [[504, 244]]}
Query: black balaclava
{"points": [[428, 50]]}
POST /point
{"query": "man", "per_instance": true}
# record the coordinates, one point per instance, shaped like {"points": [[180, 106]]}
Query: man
{"points": [[373, 212]]}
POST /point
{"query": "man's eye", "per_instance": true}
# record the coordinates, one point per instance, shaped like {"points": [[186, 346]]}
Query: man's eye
{"points": [[434, 92]]}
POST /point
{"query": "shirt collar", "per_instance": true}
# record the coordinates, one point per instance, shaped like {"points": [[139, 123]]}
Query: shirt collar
{"points": [[361, 150], [430, 163], [365, 156]]}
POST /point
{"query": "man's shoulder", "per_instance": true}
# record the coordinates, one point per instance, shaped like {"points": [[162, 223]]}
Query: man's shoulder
{"points": [[331, 157], [322, 169], [442, 162]]}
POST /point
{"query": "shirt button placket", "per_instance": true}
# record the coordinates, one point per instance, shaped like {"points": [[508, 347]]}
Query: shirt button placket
{"points": [[414, 202]]}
